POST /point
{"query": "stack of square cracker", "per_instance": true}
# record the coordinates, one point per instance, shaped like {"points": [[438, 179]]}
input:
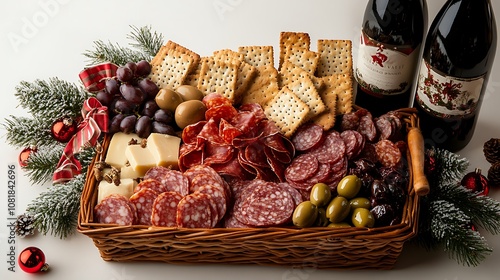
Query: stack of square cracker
{"points": [[307, 86]]}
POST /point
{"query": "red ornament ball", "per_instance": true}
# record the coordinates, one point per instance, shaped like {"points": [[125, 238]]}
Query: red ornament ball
{"points": [[25, 154], [476, 182], [32, 260], [63, 129]]}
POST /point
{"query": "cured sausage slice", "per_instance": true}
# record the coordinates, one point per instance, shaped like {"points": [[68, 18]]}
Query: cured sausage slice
{"points": [[152, 184], [143, 201], [173, 180], [267, 205], [307, 136], [195, 211], [302, 167], [114, 209], [388, 154], [164, 211]]}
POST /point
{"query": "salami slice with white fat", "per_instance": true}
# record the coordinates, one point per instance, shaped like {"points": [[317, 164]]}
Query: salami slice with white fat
{"points": [[218, 195], [114, 209], [173, 180], [351, 143], [388, 154], [331, 150], [143, 201], [152, 184], [296, 195], [307, 136], [268, 205], [302, 167], [195, 211], [164, 210]]}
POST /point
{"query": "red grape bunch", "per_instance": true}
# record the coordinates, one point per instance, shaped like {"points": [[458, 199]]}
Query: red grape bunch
{"points": [[130, 98]]}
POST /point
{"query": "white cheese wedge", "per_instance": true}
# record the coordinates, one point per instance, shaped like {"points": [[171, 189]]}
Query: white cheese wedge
{"points": [[165, 149], [140, 159], [128, 172], [116, 150], [126, 188]]}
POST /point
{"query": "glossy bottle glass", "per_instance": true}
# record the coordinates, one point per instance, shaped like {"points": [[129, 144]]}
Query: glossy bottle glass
{"points": [[457, 59]]}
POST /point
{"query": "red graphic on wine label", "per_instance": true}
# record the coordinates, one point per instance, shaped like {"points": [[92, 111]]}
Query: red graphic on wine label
{"points": [[446, 96], [379, 58]]}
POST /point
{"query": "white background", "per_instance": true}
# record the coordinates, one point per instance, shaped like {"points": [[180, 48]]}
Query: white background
{"points": [[54, 35]]}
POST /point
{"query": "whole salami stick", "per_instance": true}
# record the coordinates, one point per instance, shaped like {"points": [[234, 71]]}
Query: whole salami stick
{"points": [[416, 146]]}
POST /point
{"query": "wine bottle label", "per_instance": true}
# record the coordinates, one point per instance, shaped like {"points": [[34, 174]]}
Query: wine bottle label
{"points": [[445, 96], [384, 69]]}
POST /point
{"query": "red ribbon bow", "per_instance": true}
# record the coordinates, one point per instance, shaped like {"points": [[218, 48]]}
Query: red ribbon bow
{"points": [[93, 78], [95, 121]]}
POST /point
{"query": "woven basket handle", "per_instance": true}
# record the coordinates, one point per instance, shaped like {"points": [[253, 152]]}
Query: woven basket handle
{"points": [[416, 146]]}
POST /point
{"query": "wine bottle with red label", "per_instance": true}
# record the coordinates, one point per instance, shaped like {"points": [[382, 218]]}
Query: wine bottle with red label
{"points": [[389, 52], [457, 59]]}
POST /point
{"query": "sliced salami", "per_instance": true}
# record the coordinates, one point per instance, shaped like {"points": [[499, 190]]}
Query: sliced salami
{"points": [[152, 184], [143, 201], [388, 154], [173, 180], [114, 209], [218, 195], [384, 127], [350, 121], [351, 143], [268, 205], [367, 128], [331, 150], [296, 195], [226, 111], [195, 211], [302, 167], [194, 171], [307, 136], [164, 211]]}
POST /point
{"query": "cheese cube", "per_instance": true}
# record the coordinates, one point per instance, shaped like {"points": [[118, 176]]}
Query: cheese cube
{"points": [[140, 159], [115, 155], [126, 188], [165, 149], [129, 172]]}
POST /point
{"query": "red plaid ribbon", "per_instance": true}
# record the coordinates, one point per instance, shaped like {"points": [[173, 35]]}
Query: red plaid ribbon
{"points": [[95, 121], [93, 78]]}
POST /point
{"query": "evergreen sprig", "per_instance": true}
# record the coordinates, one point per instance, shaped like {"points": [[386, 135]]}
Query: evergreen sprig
{"points": [[23, 132], [143, 46], [55, 211], [41, 164], [52, 99], [146, 40], [448, 212]]}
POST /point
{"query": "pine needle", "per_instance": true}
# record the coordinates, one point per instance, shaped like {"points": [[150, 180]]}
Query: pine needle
{"points": [[41, 165], [24, 132], [114, 53], [145, 40]]}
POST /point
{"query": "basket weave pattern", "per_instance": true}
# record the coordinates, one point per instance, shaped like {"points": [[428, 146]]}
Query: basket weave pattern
{"points": [[317, 247]]}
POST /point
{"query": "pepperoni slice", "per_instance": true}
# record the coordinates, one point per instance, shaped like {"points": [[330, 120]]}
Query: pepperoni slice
{"points": [[228, 131], [190, 133], [388, 154], [214, 100], [307, 136], [221, 112], [143, 201], [302, 167], [195, 211], [114, 209], [152, 184], [164, 211]]}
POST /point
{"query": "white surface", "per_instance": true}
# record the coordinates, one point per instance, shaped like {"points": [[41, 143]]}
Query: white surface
{"points": [[57, 32]]}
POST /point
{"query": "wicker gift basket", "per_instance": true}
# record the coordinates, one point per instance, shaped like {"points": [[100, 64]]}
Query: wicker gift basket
{"points": [[317, 247]]}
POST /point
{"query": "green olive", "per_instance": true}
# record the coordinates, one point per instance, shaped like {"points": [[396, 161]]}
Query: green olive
{"points": [[320, 194], [339, 225], [189, 112], [338, 209], [362, 217], [359, 202], [168, 99], [305, 214], [321, 220], [188, 92], [349, 186]]}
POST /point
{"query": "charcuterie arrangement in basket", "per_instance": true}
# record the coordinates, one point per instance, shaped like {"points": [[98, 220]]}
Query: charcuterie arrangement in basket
{"points": [[230, 157]]}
